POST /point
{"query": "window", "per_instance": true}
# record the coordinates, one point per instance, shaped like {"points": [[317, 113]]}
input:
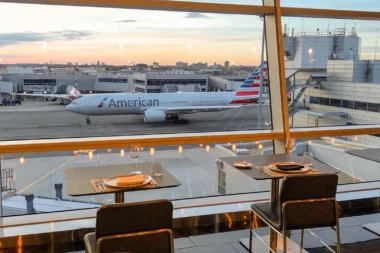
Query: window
{"points": [[234, 37]]}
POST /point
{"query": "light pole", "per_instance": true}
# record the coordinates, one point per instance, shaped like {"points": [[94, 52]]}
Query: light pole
{"points": [[261, 78]]}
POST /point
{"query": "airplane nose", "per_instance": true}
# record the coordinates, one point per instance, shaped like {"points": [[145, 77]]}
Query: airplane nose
{"points": [[72, 108]]}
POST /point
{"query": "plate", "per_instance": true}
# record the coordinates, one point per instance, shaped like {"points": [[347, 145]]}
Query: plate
{"points": [[243, 165], [112, 181], [272, 166]]}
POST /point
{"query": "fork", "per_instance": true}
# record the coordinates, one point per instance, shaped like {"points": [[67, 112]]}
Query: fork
{"points": [[101, 185]]}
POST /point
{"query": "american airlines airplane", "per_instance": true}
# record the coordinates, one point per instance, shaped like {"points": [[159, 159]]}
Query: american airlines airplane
{"points": [[159, 107]]}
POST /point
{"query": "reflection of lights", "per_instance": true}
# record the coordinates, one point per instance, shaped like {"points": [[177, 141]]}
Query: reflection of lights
{"points": [[332, 140], [22, 160], [180, 149], [310, 51], [24, 92], [109, 150], [261, 146], [208, 148], [229, 144], [201, 145], [234, 147], [75, 152], [189, 47], [122, 152], [309, 142], [90, 155], [355, 138], [90, 91], [182, 211], [152, 151], [257, 143], [229, 220]]}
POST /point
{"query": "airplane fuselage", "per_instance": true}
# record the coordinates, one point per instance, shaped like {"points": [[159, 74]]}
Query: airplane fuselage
{"points": [[137, 104]]}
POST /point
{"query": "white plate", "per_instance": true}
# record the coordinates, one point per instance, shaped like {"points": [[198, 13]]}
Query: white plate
{"points": [[112, 181], [272, 166]]}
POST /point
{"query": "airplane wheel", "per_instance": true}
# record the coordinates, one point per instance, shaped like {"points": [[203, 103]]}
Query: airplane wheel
{"points": [[61, 103], [88, 121], [186, 121]]}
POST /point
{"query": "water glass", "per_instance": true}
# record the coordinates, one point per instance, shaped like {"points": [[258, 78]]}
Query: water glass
{"points": [[156, 170], [307, 159]]}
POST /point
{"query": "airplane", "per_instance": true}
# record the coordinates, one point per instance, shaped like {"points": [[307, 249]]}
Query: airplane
{"points": [[159, 107], [71, 94]]}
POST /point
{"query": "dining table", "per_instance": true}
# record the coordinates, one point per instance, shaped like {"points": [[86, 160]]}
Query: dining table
{"points": [[259, 170], [85, 181]]}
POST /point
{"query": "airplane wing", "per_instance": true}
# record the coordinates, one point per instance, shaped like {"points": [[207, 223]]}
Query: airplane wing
{"points": [[60, 96], [195, 109]]}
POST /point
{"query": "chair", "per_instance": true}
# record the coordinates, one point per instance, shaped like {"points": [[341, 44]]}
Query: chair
{"points": [[135, 227], [306, 201]]}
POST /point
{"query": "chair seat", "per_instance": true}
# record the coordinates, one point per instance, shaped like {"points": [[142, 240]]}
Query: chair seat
{"points": [[90, 242], [269, 212]]}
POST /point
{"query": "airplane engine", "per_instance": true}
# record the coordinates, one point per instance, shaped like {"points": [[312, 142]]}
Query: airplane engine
{"points": [[153, 116]]}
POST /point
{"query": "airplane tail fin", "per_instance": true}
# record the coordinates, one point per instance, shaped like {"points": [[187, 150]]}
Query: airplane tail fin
{"points": [[249, 90]]}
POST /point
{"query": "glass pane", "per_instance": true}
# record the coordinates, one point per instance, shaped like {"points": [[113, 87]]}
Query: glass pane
{"points": [[356, 157], [43, 178], [88, 54], [365, 5], [332, 72]]}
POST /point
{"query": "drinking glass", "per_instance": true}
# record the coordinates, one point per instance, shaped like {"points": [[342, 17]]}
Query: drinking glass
{"points": [[156, 170], [307, 159], [136, 154]]}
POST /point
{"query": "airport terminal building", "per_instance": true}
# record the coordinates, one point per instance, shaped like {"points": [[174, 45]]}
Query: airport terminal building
{"points": [[169, 82], [332, 86]]}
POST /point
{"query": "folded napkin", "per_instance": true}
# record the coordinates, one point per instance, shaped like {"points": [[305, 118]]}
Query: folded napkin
{"points": [[130, 180], [289, 166]]}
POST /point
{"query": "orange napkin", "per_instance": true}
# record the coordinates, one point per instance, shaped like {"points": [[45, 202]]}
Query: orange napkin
{"points": [[131, 180]]}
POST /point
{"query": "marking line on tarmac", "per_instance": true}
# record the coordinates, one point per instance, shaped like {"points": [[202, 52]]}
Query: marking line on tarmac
{"points": [[51, 172]]}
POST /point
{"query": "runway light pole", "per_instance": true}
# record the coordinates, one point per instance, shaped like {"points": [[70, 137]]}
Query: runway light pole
{"points": [[261, 78]]}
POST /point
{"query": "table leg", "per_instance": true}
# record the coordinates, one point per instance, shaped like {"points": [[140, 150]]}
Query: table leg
{"points": [[119, 197], [274, 197]]}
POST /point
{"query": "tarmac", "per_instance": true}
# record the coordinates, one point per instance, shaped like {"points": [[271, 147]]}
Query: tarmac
{"points": [[46, 119]]}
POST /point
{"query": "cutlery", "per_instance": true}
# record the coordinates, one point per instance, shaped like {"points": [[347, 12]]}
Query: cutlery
{"points": [[98, 185], [101, 185], [152, 181]]}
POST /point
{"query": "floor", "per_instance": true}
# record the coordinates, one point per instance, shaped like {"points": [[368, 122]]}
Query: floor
{"points": [[354, 238]]}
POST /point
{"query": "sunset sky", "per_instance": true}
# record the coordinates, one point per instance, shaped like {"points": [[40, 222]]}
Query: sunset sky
{"points": [[61, 34]]}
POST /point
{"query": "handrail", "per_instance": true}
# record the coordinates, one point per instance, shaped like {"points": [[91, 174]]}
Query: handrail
{"points": [[50, 145]]}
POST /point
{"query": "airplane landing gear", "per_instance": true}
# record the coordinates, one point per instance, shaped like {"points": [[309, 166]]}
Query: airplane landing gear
{"points": [[61, 103], [88, 121], [181, 121]]}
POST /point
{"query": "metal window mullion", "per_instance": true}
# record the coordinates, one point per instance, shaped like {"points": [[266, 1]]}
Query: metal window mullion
{"points": [[276, 71]]}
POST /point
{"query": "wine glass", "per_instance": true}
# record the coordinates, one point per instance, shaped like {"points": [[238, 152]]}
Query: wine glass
{"points": [[135, 153], [292, 147]]}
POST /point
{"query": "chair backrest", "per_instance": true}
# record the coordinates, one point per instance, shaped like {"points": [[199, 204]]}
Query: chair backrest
{"points": [[309, 214], [155, 241], [116, 219]]}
